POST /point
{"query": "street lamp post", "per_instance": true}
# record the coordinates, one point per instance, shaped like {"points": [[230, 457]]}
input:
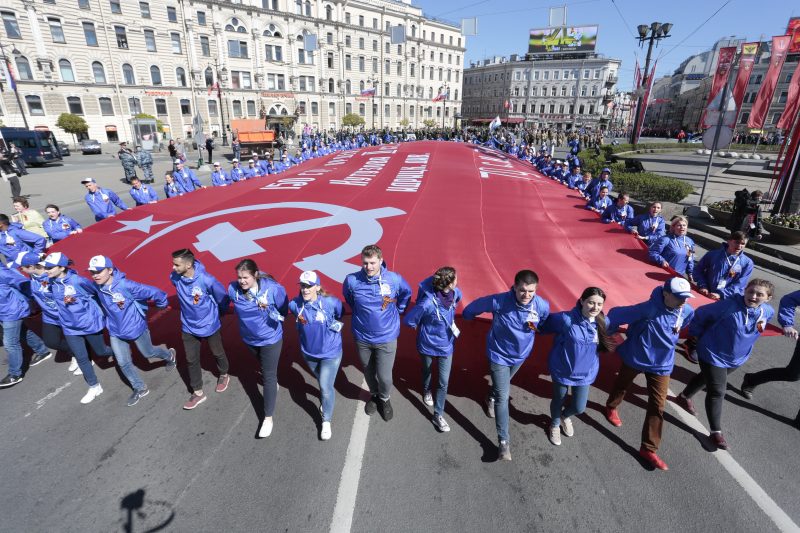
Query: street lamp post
{"points": [[222, 75], [445, 88], [15, 53], [652, 34], [373, 81]]}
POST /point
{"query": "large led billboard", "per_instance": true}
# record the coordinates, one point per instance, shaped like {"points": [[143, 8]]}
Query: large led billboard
{"points": [[562, 39]]}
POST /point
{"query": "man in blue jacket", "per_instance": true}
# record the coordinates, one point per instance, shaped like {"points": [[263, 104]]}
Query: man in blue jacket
{"points": [[101, 201], [516, 315], [236, 173], [124, 302], [142, 194], [724, 272], [653, 331], [185, 177], [620, 212], [220, 178], [376, 296], [58, 226], [202, 299], [14, 239]]}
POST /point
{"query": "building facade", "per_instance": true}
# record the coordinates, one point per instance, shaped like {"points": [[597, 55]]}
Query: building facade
{"points": [[108, 60], [547, 93]]}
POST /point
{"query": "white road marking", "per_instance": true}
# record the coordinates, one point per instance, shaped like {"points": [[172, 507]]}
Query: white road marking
{"points": [[750, 485], [40, 403], [342, 520]]}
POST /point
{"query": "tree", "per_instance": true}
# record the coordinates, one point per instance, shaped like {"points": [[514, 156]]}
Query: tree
{"points": [[429, 123], [404, 123], [352, 120], [72, 124]]}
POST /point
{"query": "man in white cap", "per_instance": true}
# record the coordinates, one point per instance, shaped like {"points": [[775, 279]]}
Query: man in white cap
{"points": [[101, 200], [220, 178], [185, 177], [237, 172], [653, 331], [252, 171]]}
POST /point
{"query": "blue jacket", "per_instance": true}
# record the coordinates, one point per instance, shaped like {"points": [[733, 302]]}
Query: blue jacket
{"points": [[60, 228], [376, 317], [651, 336], [432, 322], [237, 174], [202, 300], [145, 195], [615, 213], [786, 308], [599, 203], [573, 358], [594, 187], [727, 330], [15, 240], [259, 323], [220, 179], [649, 228], [76, 300], [15, 290], [124, 303], [726, 275], [41, 290], [314, 321], [174, 189], [187, 179], [677, 251], [511, 337], [102, 203], [573, 179]]}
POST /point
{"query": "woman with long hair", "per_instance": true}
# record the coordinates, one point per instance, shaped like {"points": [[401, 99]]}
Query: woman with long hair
{"points": [[675, 250]]}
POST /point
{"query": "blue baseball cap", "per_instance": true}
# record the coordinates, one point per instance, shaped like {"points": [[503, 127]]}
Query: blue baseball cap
{"points": [[26, 259], [99, 262], [55, 259]]}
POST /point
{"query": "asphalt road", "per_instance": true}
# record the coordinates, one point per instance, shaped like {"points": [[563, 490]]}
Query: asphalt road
{"points": [[108, 467]]}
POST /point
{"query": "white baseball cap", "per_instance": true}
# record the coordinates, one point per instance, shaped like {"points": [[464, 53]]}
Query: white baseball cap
{"points": [[309, 277], [99, 262], [679, 287]]}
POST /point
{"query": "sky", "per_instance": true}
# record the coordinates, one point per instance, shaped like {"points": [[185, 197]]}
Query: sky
{"points": [[503, 25]]}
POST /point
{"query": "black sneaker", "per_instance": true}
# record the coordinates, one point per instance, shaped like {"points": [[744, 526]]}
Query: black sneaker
{"points": [[171, 362], [39, 357], [137, 395], [371, 406], [386, 410], [10, 381], [747, 388]]}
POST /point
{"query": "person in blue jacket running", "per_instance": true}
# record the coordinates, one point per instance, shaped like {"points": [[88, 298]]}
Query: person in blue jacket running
{"points": [[653, 331], [15, 293], [260, 304], [142, 194], [202, 299], [516, 316], [14, 239], [80, 315], [57, 226], [675, 250], [724, 272], [724, 334], [434, 318], [101, 201], [376, 296], [319, 324], [649, 227], [619, 212], [171, 187], [124, 303], [573, 360]]}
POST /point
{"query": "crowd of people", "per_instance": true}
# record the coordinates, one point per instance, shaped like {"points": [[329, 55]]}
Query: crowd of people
{"points": [[76, 311]]}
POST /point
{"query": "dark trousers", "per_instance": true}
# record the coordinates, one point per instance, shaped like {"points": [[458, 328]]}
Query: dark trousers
{"points": [[269, 355], [715, 379], [53, 337], [657, 387], [16, 188], [790, 372], [191, 345]]}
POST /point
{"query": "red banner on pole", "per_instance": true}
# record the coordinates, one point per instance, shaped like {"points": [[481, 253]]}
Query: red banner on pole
{"points": [[724, 64], [758, 115], [648, 85], [792, 102], [746, 62]]}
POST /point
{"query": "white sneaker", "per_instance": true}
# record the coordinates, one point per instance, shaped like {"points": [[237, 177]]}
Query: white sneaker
{"points": [[266, 428], [73, 365], [554, 434], [325, 432], [427, 398], [93, 393], [566, 426], [78, 371]]}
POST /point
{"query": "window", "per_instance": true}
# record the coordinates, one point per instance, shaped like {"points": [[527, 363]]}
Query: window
{"points": [[251, 108], [276, 82], [34, 105], [314, 108], [347, 41], [782, 97], [272, 31], [237, 49], [161, 106], [331, 85], [74, 105], [361, 20], [546, 75], [106, 107], [208, 77], [172, 14], [362, 109], [116, 7], [176, 42], [594, 90], [596, 74], [205, 47], [387, 67], [201, 18], [134, 106], [328, 13], [586, 75], [12, 28], [331, 109], [386, 91], [24, 68], [240, 79], [212, 108], [127, 74], [581, 108], [347, 18], [122, 37], [745, 117], [573, 90], [348, 108], [307, 8], [98, 72], [144, 8], [583, 90], [155, 75], [274, 52], [775, 118], [374, 65], [411, 71], [66, 70], [304, 57], [270, 4], [564, 90], [84, 4], [386, 109], [186, 107], [56, 30], [556, 74], [348, 62], [149, 40], [237, 108], [330, 59], [329, 38], [374, 46], [301, 107], [348, 87], [89, 34], [388, 47], [399, 68]]}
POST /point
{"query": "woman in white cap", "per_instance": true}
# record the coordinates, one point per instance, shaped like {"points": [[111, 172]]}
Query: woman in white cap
{"points": [[81, 318], [260, 303], [675, 250], [318, 322]]}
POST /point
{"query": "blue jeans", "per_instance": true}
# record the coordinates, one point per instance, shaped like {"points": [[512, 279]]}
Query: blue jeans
{"points": [[77, 343], [12, 331], [122, 353], [501, 384], [444, 364], [325, 370], [580, 395]]}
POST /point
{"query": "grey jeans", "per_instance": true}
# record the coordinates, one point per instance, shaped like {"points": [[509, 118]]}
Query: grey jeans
{"points": [[378, 361]]}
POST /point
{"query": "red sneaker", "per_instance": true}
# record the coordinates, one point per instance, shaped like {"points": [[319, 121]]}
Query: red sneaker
{"points": [[613, 416], [222, 383], [719, 441], [686, 403], [653, 459]]}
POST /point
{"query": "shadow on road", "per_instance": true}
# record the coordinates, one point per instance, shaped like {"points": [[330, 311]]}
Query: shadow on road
{"points": [[136, 507]]}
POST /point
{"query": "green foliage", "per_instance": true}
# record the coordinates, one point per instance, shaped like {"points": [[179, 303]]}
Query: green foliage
{"points": [[352, 120], [787, 220], [404, 122], [159, 124], [72, 124], [723, 205], [429, 123], [650, 187]]}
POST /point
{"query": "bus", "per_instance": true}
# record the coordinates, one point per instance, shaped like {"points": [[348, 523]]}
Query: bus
{"points": [[38, 147]]}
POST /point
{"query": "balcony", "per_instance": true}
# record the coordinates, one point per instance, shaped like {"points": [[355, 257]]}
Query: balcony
{"points": [[612, 80]]}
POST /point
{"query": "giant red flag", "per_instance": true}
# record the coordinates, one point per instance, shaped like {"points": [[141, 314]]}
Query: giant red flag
{"points": [[792, 102], [724, 64], [746, 62], [758, 115]]}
